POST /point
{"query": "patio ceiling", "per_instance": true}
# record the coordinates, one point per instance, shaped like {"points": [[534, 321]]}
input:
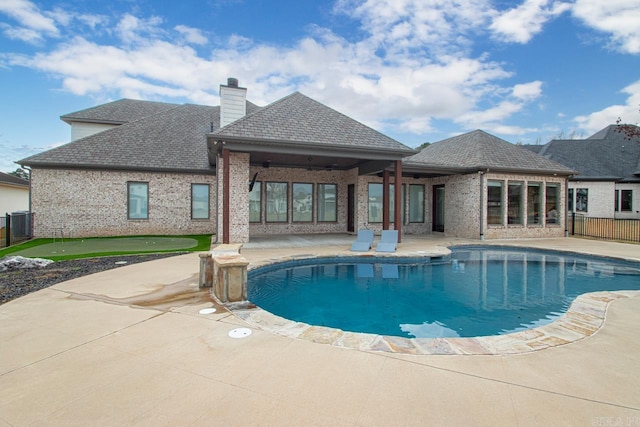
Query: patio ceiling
{"points": [[310, 156]]}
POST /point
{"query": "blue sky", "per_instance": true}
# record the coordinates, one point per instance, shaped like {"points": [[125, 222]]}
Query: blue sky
{"points": [[416, 70]]}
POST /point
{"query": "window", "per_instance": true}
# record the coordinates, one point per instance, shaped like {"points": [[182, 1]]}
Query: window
{"points": [[534, 203], [551, 205], [515, 203], [277, 201], [392, 198], [327, 207], [138, 200], [416, 203], [302, 202], [199, 201], [570, 200], [255, 203], [375, 202], [623, 200], [494, 203], [582, 199]]}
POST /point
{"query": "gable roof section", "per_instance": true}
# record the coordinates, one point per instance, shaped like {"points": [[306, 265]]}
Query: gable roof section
{"points": [[171, 140], [118, 112], [478, 150], [605, 156], [13, 181], [299, 121]]}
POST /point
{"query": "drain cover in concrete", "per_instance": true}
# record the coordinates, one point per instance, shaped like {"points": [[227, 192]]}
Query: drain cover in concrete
{"points": [[240, 333], [207, 311]]}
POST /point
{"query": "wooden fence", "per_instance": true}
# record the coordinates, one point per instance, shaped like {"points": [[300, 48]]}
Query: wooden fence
{"points": [[624, 230]]}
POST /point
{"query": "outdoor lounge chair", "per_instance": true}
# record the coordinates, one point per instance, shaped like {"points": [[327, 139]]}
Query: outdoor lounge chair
{"points": [[388, 241], [363, 242]]}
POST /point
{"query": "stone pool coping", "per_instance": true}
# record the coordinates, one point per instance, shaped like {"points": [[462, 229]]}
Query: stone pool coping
{"points": [[585, 317]]}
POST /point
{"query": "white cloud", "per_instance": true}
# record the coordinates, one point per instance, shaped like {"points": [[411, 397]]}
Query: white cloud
{"points": [[417, 25], [520, 24], [32, 26], [191, 35], [628, 112], [491, 117], [620, 18], [28, 15], [412, 65], [24, 34], [528, 91], [132, 29]]}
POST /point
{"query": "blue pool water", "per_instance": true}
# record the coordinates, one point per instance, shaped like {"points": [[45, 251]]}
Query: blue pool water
{"points": [[474, 292]]}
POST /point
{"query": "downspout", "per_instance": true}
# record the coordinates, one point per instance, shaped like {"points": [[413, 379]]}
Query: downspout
{"points": [[481, 173], [30, 211], [29, 170]]}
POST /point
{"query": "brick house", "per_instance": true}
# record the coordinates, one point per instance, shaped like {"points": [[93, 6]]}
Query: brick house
{"points": [[481, 186], [294, 166], [607, 179]]}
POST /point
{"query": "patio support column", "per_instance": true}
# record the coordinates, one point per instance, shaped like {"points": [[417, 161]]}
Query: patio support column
{"points": [[385, 200], [397, 202], [225, 195]]}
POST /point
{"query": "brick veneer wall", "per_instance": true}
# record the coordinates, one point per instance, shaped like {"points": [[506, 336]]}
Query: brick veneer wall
{"points": [[238, 198], [94, 203], [462, 205]]}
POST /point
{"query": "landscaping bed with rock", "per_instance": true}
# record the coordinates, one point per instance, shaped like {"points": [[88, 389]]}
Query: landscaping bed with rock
{"points": [[16, 281]]}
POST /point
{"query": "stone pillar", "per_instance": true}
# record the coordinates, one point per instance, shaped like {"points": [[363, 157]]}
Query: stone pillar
{"points": [[230, 278], [225, 270], [206, 270]]}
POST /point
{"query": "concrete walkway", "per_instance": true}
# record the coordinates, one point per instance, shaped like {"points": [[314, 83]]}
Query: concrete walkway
{"points": [[129, 347]]}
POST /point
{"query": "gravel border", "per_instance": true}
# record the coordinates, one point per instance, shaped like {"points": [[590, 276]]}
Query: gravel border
{"points": [[17, 283]]}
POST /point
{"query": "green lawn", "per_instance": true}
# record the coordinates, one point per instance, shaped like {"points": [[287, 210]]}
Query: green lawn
{"points": [[101, 246]]}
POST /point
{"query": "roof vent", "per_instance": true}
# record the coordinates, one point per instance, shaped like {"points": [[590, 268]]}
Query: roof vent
{"points": [[232, 82]]}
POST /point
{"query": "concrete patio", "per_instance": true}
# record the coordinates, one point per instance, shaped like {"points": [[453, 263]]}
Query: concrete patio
{"points": [[129, 347]]}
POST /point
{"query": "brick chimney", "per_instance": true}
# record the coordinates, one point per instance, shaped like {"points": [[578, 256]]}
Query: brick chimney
{"points": [[233, 104]]}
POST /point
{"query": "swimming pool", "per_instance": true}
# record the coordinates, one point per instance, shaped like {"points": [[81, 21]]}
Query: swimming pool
{"points": [[474, 292]]}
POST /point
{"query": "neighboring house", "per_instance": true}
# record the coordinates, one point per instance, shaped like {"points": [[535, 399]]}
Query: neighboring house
{"points": [[14, 194], [294, 166], [607, 179]]}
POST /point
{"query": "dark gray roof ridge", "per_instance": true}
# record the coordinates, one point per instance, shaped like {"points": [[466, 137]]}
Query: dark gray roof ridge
{"points": [[289, 119], [167, 140], [479, 150], [119, 111]]}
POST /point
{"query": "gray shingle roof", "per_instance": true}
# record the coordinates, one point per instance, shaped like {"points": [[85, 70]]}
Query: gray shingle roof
{"points": [[478, 150], [173, 139], [170, 140], [298, 118], [606, 155], [118, 112], [13, 180]]}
